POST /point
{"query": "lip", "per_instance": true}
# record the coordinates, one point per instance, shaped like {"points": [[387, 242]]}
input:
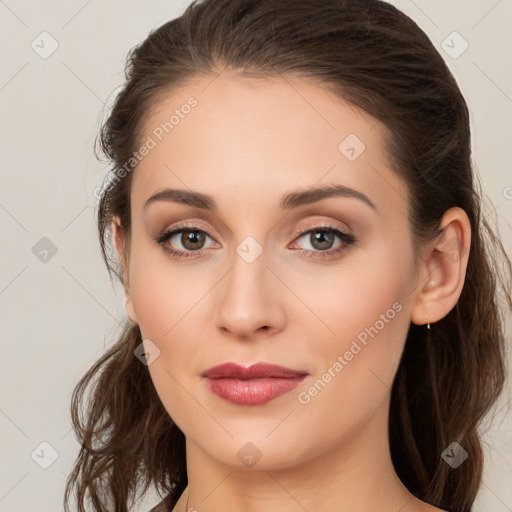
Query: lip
{"points": [[255, 371], [251, 385]]}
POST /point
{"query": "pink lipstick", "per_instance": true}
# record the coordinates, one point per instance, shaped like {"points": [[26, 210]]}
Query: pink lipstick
{"points": [[251, 385]]}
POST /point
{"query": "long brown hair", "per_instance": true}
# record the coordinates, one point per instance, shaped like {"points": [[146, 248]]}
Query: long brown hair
{"points": [[374, 56]]}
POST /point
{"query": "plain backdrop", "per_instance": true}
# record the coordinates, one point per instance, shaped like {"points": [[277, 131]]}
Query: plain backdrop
{"points": [[59, 310]]}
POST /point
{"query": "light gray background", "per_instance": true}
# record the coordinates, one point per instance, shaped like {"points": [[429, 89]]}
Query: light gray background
{"points": [[58, 316]]}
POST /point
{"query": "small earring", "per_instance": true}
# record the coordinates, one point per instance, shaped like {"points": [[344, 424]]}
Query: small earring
{"points": [[428, 323]]}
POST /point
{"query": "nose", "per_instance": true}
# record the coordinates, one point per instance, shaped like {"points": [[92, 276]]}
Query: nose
{"points": [[250, 299]]}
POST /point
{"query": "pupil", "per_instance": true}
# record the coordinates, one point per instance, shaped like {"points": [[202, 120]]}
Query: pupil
{"points": [[191, 238], [324, 238]]}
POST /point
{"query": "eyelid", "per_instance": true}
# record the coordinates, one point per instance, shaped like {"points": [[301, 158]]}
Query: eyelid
{"points": [[193, 225], [172, 231], [312, 225], [320, 225], [347, 239]]}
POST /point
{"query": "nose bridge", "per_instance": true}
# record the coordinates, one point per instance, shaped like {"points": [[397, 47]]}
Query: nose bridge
{"points": [[248, 298]]}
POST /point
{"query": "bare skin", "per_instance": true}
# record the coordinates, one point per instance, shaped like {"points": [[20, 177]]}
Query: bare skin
{"points": [[247, 143]]}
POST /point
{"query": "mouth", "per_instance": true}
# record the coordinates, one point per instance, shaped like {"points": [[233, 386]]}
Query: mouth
{"points": [[252, 385]]}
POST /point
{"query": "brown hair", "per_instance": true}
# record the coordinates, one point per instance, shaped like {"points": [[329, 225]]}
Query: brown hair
{"points": [[374, 56]]}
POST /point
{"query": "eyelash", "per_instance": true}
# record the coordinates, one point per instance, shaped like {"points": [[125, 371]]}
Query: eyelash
{"points": [[346, 238]]}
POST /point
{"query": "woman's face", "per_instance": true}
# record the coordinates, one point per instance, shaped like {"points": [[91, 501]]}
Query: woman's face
{"points": [[250, 288]]}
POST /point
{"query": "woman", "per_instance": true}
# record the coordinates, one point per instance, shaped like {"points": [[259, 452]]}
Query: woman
{"points": [[314, 315]]}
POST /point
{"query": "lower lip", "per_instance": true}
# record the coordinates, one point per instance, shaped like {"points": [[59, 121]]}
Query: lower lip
{"points": [[252, 391]]}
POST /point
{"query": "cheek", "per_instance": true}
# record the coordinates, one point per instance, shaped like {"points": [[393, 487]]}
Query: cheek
{"points": [[369, 331], [357, 364], [167, 309], [366, 308], [161, 293]]}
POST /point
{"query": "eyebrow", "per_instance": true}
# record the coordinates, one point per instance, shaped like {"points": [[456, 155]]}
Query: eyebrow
{"points": [[288, 201]]}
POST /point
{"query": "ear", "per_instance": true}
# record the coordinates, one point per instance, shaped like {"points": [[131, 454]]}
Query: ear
{"points": [[123, 260], [444, 269]]}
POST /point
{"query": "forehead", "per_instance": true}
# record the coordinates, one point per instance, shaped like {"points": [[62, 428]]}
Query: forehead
{"points": [[253, 136]]}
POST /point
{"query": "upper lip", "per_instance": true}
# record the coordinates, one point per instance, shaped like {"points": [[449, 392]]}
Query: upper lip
{"points": [[255, 371]]}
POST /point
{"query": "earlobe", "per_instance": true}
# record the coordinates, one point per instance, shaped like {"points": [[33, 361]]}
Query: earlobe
{"points": [[130, 311], [443, 269]]}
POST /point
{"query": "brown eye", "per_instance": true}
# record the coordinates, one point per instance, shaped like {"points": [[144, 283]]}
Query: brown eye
{"points": [[321, 239], [192, 240]]}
